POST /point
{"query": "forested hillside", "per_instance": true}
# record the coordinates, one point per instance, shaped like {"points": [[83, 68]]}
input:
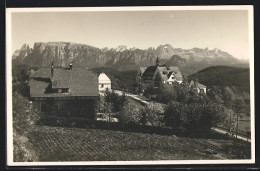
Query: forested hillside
{"points": [[224, 76], [122, 80]]}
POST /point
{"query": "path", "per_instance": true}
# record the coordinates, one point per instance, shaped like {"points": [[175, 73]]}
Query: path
{"points": [[133, 96], [225, 132]]}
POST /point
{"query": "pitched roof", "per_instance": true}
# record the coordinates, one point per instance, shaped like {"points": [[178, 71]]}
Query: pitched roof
{"points": [[61, 77], [142, 69], [80, 81], [42, 72], [38, 87], [149, 72], [166, 72], [103, 78], [196, 85]]}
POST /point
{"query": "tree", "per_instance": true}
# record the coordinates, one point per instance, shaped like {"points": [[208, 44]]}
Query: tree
{"points": [[117, 101], [215, 95], [176, 92], [237, 107], [104, 107], [20, 83], [152, 114], [230, 121], [173, 116], [130, 114], [234, 104], [193, 118], [228, 96], [166, 93]]}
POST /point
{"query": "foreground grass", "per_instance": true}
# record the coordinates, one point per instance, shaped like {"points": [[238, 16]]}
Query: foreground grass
{"points": [[75, 144]]}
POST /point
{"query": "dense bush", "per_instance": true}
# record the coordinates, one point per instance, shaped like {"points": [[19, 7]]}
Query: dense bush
{"points": [[228, 95], [24, 118], [103, 106], [130, 114], [24, 114], [152, 114], [177, 92], [20, 76], [236, 102], [194, 118]]}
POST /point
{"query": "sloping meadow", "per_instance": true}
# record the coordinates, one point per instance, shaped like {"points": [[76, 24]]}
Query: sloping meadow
{"points": [[75, 144]]}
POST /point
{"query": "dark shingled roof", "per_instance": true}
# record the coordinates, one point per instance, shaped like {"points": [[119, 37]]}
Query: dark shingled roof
{"points": [[149, 72], [80, 81], [142, 69], [166, 72], [61, 78]]}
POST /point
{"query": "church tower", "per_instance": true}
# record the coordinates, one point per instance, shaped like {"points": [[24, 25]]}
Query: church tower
{"points": [[157, 61]]}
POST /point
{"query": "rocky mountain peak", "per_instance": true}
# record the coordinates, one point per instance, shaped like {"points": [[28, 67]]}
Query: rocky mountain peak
{"points": [[61, 53], [22, 52]]}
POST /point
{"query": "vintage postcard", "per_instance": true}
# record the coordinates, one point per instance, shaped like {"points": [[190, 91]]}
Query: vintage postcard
{"points": [[130, 85]]}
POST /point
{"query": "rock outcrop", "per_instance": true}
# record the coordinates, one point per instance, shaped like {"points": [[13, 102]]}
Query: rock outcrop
{"points": [[62, 53]]}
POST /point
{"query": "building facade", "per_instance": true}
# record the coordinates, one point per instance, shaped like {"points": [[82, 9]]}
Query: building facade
{"points": [[65, 92], [155, 76], [199, 88], [104, 83]]}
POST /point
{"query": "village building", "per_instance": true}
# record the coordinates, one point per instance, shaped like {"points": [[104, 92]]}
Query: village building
{"points": [[155, 76], [65, 91], [199, 88], [139, 76], [104, 83]]}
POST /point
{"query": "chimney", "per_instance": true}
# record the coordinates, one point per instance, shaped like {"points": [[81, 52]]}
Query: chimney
{"points": [[70, 66], [51, 70]]}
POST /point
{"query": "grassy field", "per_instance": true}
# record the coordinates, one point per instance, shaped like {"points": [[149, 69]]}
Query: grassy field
{"points": [[76, 144]]}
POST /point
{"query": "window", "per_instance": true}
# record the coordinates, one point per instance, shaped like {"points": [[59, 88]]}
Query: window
{"points": [[65, 90], [102, 85], [43, 107], [202, 91]]}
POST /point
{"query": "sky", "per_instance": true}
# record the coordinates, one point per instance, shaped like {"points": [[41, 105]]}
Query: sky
{"points": [[223, 29]]}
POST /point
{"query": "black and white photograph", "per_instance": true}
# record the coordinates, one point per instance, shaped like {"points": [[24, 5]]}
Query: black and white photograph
{"points": [[130, 85]]}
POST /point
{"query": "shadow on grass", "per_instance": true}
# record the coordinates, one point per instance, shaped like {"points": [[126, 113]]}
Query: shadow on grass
{"points": [[145, 129], [130, 127]]}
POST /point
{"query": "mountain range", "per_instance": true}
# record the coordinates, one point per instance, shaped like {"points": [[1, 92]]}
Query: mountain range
{"points": [[122, 58]]}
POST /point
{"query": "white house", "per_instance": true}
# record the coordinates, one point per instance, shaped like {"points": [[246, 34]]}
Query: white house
{"points": [[199, 88], [104, 82]]}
